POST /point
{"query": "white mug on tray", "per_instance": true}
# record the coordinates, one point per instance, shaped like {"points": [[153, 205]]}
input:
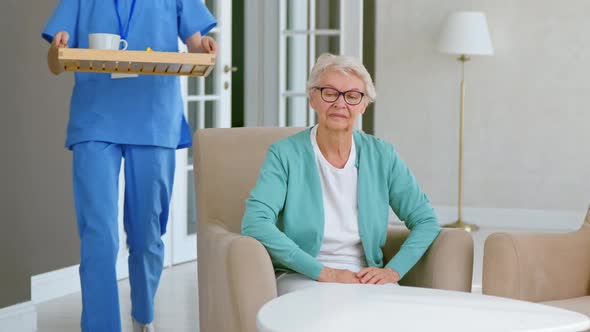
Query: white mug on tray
{"points": [[106, 41]]}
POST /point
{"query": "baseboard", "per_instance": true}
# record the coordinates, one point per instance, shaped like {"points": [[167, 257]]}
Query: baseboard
{"points": [[20, 317], [54, 284], [542, 220]]}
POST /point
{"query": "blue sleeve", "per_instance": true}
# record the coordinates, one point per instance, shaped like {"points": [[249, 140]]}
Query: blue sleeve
{"points": [[266, 202], [65, 17], [193, 17], [412, 206]]}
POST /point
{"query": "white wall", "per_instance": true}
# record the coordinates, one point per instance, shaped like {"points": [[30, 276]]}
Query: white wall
{"points": [[527, 124]]}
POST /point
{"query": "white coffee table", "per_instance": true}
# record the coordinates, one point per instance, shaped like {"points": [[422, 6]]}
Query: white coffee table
{"points": [[354, 308]]}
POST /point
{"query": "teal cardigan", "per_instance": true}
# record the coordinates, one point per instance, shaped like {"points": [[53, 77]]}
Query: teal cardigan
{"points": [[285, 211]]}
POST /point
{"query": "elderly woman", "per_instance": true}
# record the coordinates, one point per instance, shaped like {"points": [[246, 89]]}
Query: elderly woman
{"points": [[321, 203]]}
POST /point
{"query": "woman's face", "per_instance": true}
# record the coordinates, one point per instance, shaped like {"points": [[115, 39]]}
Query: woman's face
{"points": [[338, 115]]}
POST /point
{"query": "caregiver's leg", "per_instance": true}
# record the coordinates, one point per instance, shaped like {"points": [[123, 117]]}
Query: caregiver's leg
{"points": [[96, 167], [149, 175]]}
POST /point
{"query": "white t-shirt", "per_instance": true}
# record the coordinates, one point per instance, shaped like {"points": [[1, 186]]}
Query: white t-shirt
{"points": [[342, 247]]}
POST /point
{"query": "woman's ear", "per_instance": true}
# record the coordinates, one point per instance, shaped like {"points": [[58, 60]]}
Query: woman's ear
{"points": [[364, 107], [311, 99]]}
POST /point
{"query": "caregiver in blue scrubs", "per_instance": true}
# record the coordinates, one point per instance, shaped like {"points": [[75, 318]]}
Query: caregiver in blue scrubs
{"points": [[136, 119]]}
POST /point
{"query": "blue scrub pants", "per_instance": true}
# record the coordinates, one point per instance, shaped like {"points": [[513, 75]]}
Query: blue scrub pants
{"points": [[149, 175]]}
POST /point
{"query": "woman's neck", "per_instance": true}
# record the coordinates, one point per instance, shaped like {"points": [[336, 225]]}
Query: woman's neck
{"points": [[334, 145]]}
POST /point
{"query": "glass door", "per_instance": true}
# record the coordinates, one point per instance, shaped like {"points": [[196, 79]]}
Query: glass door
{"points": [[289, 35], [207, 105], [307, 29]]}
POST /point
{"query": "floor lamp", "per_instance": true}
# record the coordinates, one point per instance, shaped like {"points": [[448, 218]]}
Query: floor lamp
{"points": [[464, 34]]}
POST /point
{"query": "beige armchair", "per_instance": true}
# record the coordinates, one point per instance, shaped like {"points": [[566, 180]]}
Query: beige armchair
{"points": [[550, 268], [235, 273]]}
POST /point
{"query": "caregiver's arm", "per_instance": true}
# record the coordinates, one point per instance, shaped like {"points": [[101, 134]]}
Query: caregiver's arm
{"points": [[201, 44], [59, 40]]}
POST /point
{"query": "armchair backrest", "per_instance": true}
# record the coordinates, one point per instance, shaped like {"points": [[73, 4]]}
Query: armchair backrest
{"points": [[227, 162]]}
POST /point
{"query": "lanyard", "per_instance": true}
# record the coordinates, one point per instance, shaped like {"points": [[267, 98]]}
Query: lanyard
{"points": [[124, 33]]}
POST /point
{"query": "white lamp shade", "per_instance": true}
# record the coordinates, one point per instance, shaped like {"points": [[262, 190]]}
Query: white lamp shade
{"points": [[466, 33]]}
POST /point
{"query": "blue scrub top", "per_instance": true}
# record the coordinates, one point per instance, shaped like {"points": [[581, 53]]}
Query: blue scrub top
{"points": [[145, 110]]}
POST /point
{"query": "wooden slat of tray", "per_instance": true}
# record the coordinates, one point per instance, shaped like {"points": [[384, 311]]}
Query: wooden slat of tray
{"points": [[186, 69], [124, 66], [136, 62]]}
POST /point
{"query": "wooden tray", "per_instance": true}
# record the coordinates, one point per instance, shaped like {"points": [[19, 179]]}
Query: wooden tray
{"points": [[136, 62]]}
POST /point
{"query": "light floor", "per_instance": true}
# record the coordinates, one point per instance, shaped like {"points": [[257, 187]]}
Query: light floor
{"points": [[176, 305], [177, 299]]}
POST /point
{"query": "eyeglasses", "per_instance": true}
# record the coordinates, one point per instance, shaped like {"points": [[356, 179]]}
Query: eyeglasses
{"points": [[330, 95]]}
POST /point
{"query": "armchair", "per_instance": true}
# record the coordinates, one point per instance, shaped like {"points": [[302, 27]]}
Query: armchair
{"points": [[550, 268], [235, 273]]}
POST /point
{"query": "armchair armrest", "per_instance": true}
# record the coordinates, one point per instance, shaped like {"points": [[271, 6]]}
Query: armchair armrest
{"points": [[236, 276], [537, 267], [447, 264]]}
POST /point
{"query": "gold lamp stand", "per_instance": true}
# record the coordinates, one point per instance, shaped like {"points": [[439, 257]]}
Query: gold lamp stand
{"points": [[460, 223]]}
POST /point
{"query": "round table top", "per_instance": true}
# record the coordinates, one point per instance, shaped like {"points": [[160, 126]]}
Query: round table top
{"points": [[343, 308]]}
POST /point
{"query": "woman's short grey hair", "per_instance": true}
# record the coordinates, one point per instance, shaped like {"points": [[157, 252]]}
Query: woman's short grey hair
{"points": [[344, 64]]}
